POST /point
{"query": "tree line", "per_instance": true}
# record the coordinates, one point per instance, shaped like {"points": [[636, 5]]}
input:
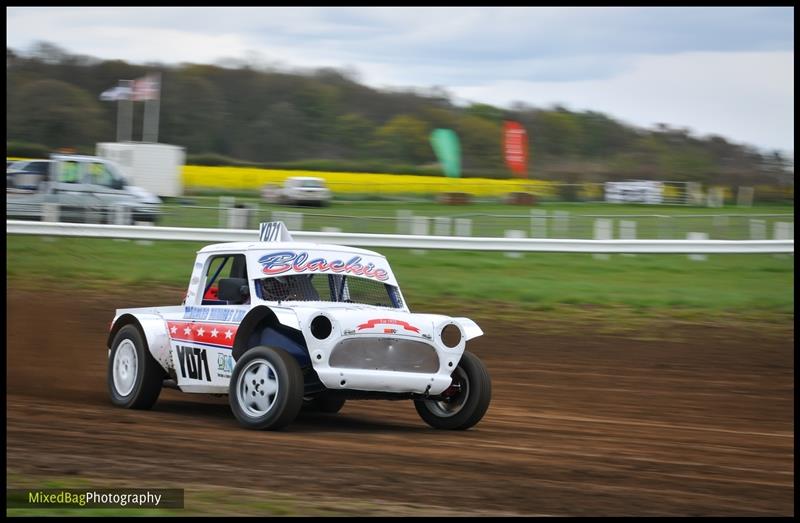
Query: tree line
{"points": [[239, 112]]}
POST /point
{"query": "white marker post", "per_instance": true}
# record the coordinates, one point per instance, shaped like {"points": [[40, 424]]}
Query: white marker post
{"points": [[403, 221], [603, 230], [627, 231], [697, 236], [745, 197], [538, 223], [514, 234], [463, 227], [442, 226], [561, 224], [720, 224], [143, 224], [225, 203], [419, 227], [783, 231], [758, 229]]}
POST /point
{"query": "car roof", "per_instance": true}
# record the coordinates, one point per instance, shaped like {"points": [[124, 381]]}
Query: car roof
{"points": [[306, 178], [271, 246], [78, 158]]}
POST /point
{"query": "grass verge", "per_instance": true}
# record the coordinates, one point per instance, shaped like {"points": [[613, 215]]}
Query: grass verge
{"points": [[618, 291]]}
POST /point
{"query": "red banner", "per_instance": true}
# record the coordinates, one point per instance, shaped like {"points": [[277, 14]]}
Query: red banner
{"points": [[515, 144]]}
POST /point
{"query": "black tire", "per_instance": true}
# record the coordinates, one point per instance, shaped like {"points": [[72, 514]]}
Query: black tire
{"points": [[465, 407], [284, 405], [326, 403], [148, 376]]}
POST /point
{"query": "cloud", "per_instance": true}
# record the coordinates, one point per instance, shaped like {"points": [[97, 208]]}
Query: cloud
{"points": [[748, 97], [643, 64]]}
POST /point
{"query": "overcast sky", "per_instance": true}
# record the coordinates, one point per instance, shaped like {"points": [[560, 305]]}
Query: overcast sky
{"points": [[727, 71]]}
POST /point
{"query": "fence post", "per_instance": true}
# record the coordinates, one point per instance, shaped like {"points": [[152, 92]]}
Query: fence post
{"points": [[143, 224], [225, 202], [561, 224], [122, 215], [538, 223], [463, 227], [783, 231], [745, 197], [758, 229], [720, 225], [294, 221], [514, 234], [50, 212], [716, 196], [602, 231], [697, 236], [404, 221], [442, 226], [665, 227], [627, 231], [419, 227]]}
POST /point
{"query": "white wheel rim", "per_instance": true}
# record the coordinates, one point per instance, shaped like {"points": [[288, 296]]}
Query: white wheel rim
{"points": [[447, 409], [126, 365], [257, 388]]}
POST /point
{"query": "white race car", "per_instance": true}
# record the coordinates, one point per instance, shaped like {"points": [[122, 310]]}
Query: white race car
{"points": [[279, 325]]}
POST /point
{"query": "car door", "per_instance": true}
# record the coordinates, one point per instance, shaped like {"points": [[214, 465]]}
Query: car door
{"points": [[69, 191], [202, 337], [107, 191]]}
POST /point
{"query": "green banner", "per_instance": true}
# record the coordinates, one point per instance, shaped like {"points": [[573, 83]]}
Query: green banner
{"points": [[448, 151]]}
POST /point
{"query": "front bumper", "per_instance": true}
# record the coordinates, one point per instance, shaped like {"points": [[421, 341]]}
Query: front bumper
{"points": [[385, 364]]}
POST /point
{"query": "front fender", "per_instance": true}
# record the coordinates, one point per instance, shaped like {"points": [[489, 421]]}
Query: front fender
{"points": [[271, 326], [470, 328]]}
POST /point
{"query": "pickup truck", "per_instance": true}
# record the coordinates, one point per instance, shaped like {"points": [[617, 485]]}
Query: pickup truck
{"points": [[84, 188]]}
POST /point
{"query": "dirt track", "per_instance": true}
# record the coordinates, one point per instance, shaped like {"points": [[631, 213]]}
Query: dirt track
{"points": [[579, 425]]}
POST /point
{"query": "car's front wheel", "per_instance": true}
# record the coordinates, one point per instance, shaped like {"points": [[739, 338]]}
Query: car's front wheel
{"points": [[464, 402], [134, 376], [266, 389]]}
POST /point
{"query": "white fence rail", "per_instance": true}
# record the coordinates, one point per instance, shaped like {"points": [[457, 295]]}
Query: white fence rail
{"points": [[408, 241]]}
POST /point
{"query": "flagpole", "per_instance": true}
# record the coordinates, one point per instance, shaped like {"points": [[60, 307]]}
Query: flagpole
{"points": [[151, 108], [157, 109], [127, 126], [119, 117]]}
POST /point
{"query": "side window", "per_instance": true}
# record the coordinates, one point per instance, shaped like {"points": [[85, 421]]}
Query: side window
{"points": [[40, 168], [100, 175], [222, 266], [70, 172]]}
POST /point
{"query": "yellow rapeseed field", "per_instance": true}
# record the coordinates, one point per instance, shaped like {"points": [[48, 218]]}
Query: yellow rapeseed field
{"points": [[354, 183]]}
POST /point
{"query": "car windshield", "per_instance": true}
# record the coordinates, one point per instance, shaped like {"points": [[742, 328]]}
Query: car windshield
{"points": [[330, 288], [311, 183]]}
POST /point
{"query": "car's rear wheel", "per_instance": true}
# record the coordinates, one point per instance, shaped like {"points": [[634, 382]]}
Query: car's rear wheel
{"points": [[266, 389], [464, 403], [134, 376]]}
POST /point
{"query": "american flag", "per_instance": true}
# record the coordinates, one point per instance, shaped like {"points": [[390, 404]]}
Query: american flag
{"points": [[147, 88]]}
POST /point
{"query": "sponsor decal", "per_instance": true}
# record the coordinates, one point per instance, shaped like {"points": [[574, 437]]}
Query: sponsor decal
{"points": [[387, 321], [214, 314], [280, 262], [224, 365], [194, 363], [215, 334]]}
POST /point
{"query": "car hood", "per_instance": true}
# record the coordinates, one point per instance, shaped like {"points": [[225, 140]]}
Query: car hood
{"points": [[356, 320], [143, 195]]}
